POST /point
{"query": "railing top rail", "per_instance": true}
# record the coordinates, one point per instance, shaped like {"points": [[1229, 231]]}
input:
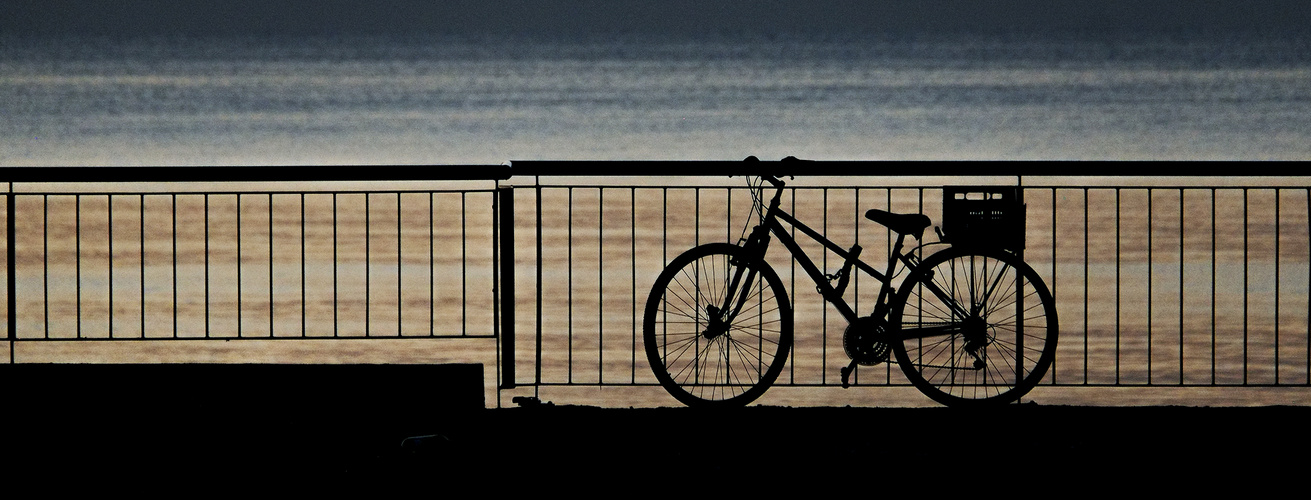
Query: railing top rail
{"points": [[1174, 169], [257, 173], [900, 168]]}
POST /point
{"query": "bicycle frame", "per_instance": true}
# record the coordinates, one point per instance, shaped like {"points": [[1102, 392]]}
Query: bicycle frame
{"points": [[758, 242], [822, 283]]}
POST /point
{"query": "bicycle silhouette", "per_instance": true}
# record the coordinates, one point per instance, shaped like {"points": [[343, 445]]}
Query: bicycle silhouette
{"points": [[970, 324]]}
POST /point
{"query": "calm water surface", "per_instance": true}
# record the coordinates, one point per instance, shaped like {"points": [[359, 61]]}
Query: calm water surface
{"points": [[430, 100]]}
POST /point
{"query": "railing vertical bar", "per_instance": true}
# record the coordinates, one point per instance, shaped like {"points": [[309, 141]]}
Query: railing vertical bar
{"points": [[464, 264], [1213, 280], [1277, 234], [792, 279], [1150, 272], [728, 236], [400, 259], [1182, 229], [632, 240], [240, 332], [109, 223], [728, 219], [45, 262], [887, 251], [1019, 293], [368, 265], [1019, 296], [1246, 290], [664, 260], [696, 238], [141, 204], [173, 216], [1117, 286], [1308, 298], [432, 266], [823, 316], [600, 285], [855, 276], [304, 306], [272, 300], [569, 280], [1055, 281], [336, 306], [537, 365], [1086, 269], [696, 217], [207, 315], [77, 259], [11, 281]]}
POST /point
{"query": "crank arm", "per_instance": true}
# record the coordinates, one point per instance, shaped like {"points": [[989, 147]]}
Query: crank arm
{"points": [[846, 374]]}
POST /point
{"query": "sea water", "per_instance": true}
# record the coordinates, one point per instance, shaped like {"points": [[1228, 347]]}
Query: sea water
{"points": [[478, 100]]}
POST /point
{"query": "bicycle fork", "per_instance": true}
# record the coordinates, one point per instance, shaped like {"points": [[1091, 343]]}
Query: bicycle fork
{"points": [[722, 316]]}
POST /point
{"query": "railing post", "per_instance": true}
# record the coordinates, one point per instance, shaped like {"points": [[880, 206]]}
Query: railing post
{"points": [[505, 228]]}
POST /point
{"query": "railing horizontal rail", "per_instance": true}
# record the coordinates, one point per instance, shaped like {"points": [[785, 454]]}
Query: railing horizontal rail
{"points": [[529, 168], [257, 173], [1178, 169]]}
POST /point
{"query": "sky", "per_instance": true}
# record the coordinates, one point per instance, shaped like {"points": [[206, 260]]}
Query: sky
{"points": [[574, 17]]}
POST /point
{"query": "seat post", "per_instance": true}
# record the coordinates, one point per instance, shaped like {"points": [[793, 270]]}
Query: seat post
{"points": [[895, 253], [886, 289]]}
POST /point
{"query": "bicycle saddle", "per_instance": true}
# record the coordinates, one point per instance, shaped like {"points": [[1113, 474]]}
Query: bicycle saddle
{"points": [[911, 224]]}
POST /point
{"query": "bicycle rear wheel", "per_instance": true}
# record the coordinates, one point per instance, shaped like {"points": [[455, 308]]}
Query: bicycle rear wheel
{"points": [[974, 327], [710, 349]]}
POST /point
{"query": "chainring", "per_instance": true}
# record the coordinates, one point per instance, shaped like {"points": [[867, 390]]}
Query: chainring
{"points": [[863, 341]]}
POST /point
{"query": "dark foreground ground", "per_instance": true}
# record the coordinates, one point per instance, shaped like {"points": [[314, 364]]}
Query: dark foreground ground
{"points": [[343, 423]]}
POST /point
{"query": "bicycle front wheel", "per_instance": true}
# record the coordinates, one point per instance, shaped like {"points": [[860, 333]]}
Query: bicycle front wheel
{"points": [[717, 327], [974, 328]]}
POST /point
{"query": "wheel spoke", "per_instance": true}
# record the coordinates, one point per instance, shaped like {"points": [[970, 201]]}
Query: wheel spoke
{"points": [[980, 358], [734, 361]]}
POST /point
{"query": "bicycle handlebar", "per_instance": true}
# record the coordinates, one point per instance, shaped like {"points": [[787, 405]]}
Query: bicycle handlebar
{"points": [[773, 179], [778, 183]]}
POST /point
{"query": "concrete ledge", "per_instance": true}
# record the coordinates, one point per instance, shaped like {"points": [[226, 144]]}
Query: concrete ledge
{"points": [[187, 415]]}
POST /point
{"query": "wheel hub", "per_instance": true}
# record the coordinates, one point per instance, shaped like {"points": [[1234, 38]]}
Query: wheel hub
{"points": [[976, 339], [717, 326]]}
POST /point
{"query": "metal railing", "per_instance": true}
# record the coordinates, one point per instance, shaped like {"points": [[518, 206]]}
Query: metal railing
{"points": [[153, 256], [1161, 280]]}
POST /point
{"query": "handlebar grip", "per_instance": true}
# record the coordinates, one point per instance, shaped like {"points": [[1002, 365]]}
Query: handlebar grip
{"points": [[778, 183]]}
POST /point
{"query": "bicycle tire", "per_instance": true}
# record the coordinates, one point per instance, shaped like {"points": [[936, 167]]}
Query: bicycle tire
{"points": [[1013, 324], [732, 369]]}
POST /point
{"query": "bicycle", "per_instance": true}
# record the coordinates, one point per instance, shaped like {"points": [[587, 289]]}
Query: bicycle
{"points": [[971, 324]]}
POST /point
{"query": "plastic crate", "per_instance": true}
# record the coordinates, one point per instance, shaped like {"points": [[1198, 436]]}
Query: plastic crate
{"points": [[984, 216]]}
